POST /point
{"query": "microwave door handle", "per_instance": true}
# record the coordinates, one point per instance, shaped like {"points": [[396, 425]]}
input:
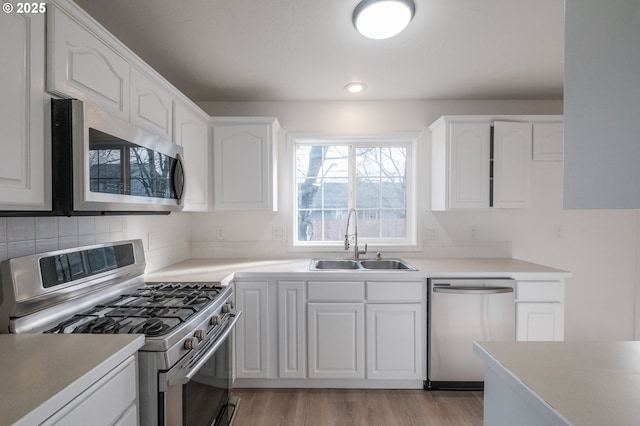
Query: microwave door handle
{"points": [[180, 160], [473, 290], [184, 378]]}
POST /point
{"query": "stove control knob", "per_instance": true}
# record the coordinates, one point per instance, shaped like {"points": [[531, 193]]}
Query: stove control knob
{"points": [[226, 308], [215, 320], [191, 343], [200, 335]]}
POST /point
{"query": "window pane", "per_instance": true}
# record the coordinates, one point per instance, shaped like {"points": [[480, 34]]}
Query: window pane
{"points": [[336, 193], [393, 193], [394, 224], [323, 185]]}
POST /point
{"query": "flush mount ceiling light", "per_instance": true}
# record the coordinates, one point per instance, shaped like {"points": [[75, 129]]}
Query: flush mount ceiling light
{"points": [[380, 19], [355, 87]]}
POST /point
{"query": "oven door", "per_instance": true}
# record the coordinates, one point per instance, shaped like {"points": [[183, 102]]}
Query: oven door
{"points": [[197, 392]]}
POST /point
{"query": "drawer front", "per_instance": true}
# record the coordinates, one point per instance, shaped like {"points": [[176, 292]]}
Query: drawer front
{"points": [[394, 291], [540, 290], [107, 401], [335, 291]]}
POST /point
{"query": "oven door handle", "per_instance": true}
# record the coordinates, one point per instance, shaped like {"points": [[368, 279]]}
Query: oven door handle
{"points": [[183, 379]]}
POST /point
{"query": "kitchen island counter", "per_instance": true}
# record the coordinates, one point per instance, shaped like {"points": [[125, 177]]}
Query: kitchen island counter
{"points": [[41, 373], [225, 270], [560, 383]]}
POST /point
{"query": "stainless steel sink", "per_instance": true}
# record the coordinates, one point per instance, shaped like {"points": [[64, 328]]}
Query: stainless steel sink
{"points": [[362, 264], [386, 264], [328, 264]]}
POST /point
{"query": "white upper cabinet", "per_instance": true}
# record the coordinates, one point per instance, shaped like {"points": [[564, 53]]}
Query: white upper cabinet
{"points": [[511, 165], [548, 141], [190, 130], [24, 167], [485, 161], [244, 169], [151, 105], [82, 66], [460, 161]]}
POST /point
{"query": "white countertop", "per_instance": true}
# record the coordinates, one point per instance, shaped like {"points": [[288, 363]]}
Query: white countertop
{"points": [[226, 269], [40, 373], [587, 383]]}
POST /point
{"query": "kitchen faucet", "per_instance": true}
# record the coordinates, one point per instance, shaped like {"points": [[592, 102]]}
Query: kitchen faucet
{"points": [[356, 252]]}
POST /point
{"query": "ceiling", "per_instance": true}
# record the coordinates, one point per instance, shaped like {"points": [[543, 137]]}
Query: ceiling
{"points": [[307, 50]]}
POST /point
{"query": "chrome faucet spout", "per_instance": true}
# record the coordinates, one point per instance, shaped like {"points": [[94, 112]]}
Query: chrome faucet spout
{"points": [[356, 251]]}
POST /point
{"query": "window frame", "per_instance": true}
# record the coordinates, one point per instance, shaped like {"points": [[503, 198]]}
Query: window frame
{"points": [[409, 141]]}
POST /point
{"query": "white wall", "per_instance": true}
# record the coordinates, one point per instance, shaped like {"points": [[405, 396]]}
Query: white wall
{"points": [[598, 247]]}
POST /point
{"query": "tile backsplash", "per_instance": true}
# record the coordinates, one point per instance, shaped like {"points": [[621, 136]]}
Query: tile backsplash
{"points": [[22, 236]]}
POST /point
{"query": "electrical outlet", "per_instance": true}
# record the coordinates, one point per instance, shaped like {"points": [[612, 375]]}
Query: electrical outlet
{"points": [[220, 233], [277, 233], [431, 233], [558, 231], [152, 240]]}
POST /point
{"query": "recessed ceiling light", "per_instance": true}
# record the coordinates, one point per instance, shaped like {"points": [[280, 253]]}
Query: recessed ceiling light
{"points": [[380, 19], [355, 87]]}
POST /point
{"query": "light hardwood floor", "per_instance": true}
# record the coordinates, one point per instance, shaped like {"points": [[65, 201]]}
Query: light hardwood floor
{"points": [[298, 407]]}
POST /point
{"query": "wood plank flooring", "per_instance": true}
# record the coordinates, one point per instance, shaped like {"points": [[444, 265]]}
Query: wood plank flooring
{"points": [[365, 407]]}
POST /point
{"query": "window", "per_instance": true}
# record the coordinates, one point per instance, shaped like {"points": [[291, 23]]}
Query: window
{"points": [[371, 175]]}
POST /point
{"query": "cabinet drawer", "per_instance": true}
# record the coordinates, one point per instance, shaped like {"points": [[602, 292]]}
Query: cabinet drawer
{"points": [[335, 291], [540, 290], [111, 398], [394, 291]]}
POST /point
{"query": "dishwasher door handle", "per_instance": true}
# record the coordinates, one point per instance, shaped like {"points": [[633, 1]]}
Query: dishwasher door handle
{"points": [[472, 290]]}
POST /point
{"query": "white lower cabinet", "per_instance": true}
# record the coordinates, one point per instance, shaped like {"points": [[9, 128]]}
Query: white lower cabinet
{"points": [[252, 330], [539, 310], [309, 333], [336, 340], [292, 334], [110, 401], [539, 321], [394, 336]]}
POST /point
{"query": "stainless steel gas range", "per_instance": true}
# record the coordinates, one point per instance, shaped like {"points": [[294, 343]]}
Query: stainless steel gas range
{"points": [[185, 363]]}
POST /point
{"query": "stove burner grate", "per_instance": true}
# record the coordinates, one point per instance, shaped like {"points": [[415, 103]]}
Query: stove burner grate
{"points": [[153, 310]]}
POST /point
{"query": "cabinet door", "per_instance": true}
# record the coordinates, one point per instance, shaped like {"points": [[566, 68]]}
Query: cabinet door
{"points": [[394, 341], [252, 332], [291, 330], [539, 321], [336, 340], [242, 164], [512, 165], [23, 169], [151, 105], [469, 151], [191, 132], [82, 66], [548, 141]]}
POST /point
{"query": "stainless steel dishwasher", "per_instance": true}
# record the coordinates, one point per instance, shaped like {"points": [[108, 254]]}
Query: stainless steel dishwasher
{"points": [[461, 311]]}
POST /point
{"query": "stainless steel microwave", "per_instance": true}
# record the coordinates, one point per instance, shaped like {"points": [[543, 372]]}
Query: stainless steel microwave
{"points": [[102, 164]]}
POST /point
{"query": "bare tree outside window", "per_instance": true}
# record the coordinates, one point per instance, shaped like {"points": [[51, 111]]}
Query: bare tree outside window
{"points": [[331, 178]]}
